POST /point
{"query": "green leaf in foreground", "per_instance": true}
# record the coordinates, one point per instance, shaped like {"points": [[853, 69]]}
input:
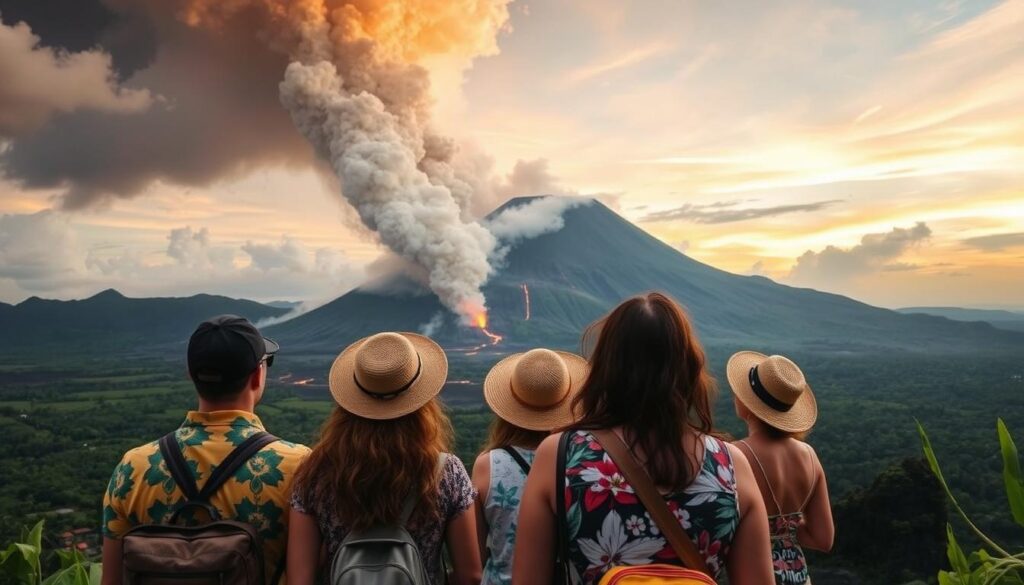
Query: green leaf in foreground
{"points": [[1011, 473]]}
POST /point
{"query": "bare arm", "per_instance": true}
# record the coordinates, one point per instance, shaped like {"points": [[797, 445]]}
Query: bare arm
{"points": [[750, 557], [817, 530], [303, 548], [534, 559], [482, 483], [461, 538], [111, 561]]}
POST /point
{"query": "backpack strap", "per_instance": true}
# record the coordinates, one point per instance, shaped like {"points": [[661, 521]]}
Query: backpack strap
{"points": [[175, 460], [562, 572], [514, 454], [178, 467], [227, 468], [409, 505], [651, 498]]}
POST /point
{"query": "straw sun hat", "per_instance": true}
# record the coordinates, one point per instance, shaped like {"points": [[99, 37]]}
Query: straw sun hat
{"points": [[534, 390], [388, 375], [773, 389]]}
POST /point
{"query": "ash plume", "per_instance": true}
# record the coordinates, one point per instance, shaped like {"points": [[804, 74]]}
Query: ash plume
{"points": [[356, 91]]}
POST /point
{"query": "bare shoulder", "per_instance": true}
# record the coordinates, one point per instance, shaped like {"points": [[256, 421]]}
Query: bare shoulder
{"points": [[548, 448], [739, 457], [482, 464]]}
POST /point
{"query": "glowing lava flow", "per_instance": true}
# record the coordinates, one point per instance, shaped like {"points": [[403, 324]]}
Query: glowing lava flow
{"points": [[481, 323], [526, 298]]}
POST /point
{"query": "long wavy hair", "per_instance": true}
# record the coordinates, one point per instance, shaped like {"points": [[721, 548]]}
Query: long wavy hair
{"points": [[648, 375], [505, 434], [365, 468]]}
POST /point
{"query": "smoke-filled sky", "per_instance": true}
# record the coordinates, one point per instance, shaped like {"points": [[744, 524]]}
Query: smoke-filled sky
{"points": [[873, 149]]}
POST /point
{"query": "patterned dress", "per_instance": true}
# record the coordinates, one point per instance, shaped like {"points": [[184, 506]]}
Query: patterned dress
{"points": [[787, 555], [608, 526], [456, 495], [142, 491], [501, 509]]}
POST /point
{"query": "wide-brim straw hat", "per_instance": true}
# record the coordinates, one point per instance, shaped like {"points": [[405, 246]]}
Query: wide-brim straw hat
{"points": [[534, 390], [774, 390], [388, 375]]}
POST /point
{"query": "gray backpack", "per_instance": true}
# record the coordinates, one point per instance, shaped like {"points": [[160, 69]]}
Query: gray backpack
{"points": [[382, 555]]}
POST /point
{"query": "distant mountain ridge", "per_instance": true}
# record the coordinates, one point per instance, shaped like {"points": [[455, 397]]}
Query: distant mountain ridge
{"points": [[1009, 320], [112, 318], [576, 274]]}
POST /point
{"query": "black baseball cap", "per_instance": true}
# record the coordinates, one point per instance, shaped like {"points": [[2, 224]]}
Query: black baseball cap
{"points": [[226, 349]]}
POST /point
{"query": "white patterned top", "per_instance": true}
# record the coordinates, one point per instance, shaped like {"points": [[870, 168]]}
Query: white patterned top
{"points": [[501, 509]]}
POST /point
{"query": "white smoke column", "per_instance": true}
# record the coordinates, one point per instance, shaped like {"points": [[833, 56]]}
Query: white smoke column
{"points": [[415, 218], [358, 92]]}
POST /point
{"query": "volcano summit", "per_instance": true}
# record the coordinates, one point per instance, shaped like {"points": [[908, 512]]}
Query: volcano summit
{"points": [[550, 287]]}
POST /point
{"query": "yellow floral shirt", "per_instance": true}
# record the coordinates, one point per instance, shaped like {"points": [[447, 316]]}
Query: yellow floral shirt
{"points": [[142, 491]]}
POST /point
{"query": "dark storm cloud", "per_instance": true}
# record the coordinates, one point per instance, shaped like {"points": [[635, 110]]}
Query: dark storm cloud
{"points": [[81, 25], [727, 212], [215, 113]]}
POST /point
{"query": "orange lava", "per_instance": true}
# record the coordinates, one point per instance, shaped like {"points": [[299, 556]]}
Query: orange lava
{"points": [[494, 337], [526, 299], [480, 321]]}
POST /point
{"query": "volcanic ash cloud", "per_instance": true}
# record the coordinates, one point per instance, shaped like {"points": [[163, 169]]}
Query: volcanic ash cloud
{"points": [[413, 217], [357, 92]]}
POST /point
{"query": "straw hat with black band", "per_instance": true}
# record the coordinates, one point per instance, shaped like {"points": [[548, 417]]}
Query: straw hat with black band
{"points": [[773, 389], [534, 390], [388, 375]]}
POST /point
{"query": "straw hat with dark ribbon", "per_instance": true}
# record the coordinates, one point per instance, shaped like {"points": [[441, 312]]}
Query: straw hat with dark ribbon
{"points": [[534, 390], [388, 375], [773, 389]]}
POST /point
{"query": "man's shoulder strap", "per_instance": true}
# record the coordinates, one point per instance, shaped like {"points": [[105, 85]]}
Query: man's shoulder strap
{"points": [[234, 460], [179, 470]]}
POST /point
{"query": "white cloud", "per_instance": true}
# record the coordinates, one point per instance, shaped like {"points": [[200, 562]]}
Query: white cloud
{"points": [[192, 249], [41, 253], [539, 216], [38, 252], [38, 82], [873, 254]]}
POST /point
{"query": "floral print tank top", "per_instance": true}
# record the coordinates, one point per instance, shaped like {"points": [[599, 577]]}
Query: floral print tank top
{"points": [[501, 509], [608, 526]]}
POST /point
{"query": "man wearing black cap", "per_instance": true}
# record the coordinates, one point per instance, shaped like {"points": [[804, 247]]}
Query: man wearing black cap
{"points": [[227, 361]]}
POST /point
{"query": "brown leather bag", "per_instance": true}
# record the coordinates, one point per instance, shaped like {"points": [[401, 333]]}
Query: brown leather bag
{"points": [[220, 552]]}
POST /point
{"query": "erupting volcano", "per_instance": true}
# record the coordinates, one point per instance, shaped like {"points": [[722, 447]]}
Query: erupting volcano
{"points": [[597, 259], [481, 324]]}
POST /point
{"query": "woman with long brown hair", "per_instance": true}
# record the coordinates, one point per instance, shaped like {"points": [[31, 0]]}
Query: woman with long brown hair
{"points": [[530, 393], [649, 387], [384, 448]]}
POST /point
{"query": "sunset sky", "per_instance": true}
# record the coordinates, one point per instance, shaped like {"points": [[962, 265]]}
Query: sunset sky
{"points": [[869, 148]]}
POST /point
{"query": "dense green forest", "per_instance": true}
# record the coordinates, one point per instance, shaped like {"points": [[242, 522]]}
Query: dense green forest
{"points": [[65, 428]]}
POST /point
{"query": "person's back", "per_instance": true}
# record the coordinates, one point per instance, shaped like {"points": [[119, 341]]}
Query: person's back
{"points": [[375, 470], [142, 489], [530, 393], [611, 525], [772, 397], [499, 505], [648, 386]]}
